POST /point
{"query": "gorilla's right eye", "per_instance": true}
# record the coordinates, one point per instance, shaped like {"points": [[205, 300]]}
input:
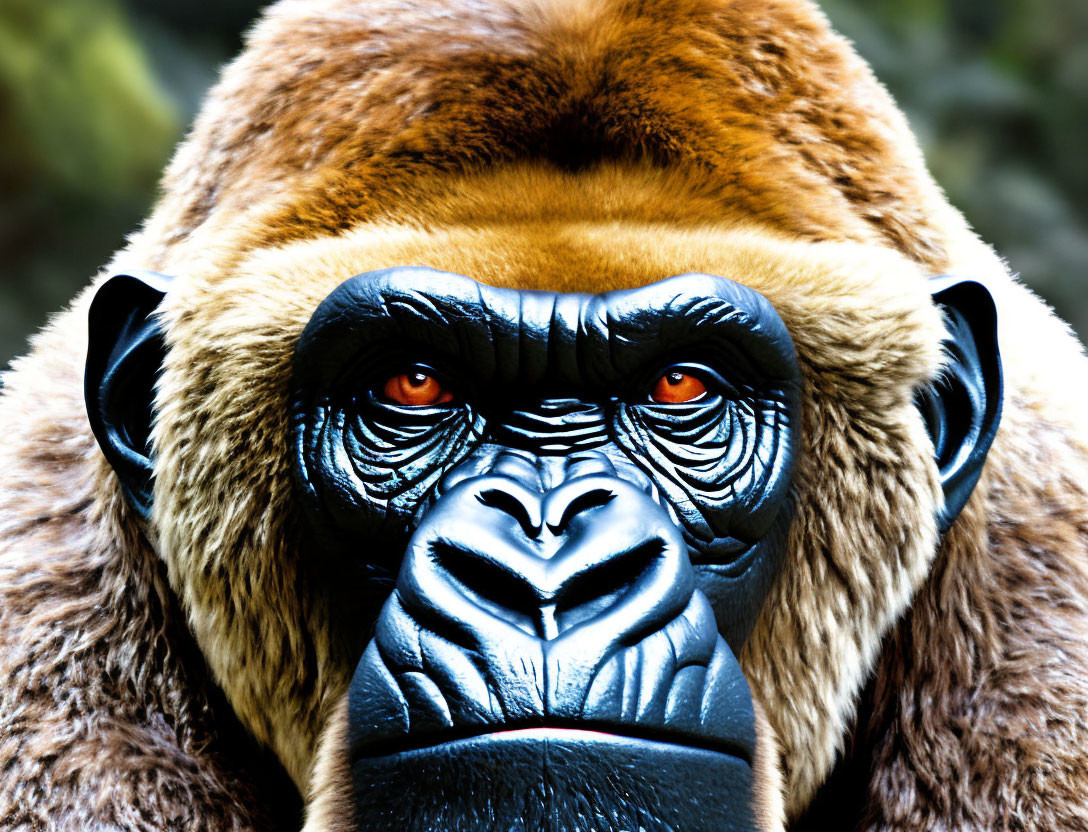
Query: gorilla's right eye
{"points": [[677, 387], [415, 388]]}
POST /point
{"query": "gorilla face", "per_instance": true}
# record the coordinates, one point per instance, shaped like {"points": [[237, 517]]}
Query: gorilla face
{"points": [[541, 525], [576, 505]]}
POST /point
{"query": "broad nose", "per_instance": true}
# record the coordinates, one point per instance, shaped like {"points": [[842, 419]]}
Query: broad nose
{"points": [[548, 551], [554, 511]]}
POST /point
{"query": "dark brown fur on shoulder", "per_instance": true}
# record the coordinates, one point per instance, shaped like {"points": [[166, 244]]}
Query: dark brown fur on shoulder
{"points": [[978, 715]]}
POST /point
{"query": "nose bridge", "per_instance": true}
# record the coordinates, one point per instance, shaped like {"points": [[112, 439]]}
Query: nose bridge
{"points": [[541, 473], [542, 492], [553, 427], [528, 487], [573, 496], [553, 489]]}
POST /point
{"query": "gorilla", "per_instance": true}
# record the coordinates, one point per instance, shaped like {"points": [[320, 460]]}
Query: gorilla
{"points": [[546, 415]]}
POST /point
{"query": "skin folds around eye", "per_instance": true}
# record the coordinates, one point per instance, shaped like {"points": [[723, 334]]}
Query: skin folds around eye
{"points": [[676, 387]]}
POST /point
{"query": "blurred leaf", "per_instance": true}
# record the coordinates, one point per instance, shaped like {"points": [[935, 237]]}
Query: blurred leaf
{"points": [[82, 112], [997, 93]]}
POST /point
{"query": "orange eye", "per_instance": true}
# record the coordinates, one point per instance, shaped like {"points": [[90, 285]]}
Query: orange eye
{"points": [[677, 388], [416, 389]]}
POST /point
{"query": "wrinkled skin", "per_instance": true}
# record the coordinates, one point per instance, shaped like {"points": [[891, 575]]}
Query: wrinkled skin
{"points": [[577, 556]]}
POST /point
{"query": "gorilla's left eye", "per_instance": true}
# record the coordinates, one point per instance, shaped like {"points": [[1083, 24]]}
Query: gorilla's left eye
{"points": [[677, 387], [416, 388]]}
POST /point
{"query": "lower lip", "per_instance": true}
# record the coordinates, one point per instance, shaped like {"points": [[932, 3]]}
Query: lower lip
{"points": [[682, 787]]}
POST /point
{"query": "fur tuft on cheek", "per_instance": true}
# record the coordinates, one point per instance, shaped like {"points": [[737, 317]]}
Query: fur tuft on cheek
{"points": [[225, 512], [864, 533], [331, 804], [770, 808]]}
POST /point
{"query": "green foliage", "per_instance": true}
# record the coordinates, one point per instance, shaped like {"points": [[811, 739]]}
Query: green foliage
{"points": [[998, 95], [85, 128], [82, 113]]}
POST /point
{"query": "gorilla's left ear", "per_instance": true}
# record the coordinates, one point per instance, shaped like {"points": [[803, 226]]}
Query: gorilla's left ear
{"points": [[125, 351], [962, 408]]}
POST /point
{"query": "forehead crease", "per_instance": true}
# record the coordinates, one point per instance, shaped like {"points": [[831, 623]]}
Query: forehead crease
{"points": [[525, 337], [536, 336]]}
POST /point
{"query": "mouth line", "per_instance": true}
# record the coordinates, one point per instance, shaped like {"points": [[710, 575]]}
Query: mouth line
{"points": [[730, 561], [606, 731]]}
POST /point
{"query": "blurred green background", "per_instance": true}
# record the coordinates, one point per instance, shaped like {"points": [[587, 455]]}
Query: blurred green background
{"points": [[95, 93]]}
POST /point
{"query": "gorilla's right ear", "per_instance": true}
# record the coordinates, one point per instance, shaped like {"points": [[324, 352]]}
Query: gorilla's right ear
{"points": [[962, 408], [125, 351]]}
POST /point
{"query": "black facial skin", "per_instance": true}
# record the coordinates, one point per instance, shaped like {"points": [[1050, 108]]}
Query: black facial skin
{"points": [[567, 567], [570, 555]]}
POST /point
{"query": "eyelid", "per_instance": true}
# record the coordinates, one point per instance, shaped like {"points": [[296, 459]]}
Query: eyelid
{"points": [[407, 368], [713, 380]]}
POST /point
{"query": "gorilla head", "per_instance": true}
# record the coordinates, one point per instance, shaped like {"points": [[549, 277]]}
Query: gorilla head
{"points": [[553, 422], [553, 520]]}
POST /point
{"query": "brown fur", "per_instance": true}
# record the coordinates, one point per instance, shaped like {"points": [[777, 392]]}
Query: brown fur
{"points": [[978, 711], [580, 146], [107, 719]]}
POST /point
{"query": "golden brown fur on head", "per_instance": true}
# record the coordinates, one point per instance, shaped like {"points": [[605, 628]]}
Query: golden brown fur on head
{"points": [[347, 111], [575, 146]]}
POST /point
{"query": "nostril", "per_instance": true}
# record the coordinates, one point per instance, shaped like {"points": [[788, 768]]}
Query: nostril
{"points": [[591, 498], [526, 513], [492, 585], [596, 588]]}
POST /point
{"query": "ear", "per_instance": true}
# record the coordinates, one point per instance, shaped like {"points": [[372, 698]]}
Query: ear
{"points": [[124, 353], [962, 408]]}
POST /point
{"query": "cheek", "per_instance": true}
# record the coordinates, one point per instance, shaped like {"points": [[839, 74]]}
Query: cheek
{"points": [[723, 463], [724, 467], [737, 585]]}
